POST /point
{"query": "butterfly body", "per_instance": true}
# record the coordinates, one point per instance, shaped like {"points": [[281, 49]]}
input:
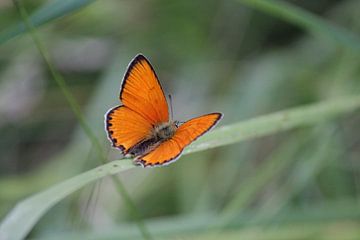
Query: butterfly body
{"points": [[142, 128], [159, 133], [165, 131]]}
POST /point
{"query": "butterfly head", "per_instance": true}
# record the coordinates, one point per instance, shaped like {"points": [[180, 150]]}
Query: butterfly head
{"points": [[177, 123]]}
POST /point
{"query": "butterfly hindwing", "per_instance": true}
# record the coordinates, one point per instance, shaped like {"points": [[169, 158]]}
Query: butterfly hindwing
{"points": [[126, 128], [170, 150]]}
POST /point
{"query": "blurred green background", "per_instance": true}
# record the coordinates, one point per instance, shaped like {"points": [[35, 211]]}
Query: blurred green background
{"points": [[228, 56]]}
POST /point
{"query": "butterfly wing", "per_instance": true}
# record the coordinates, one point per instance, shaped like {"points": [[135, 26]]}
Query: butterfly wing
{"points": [[144, 105], [170, 150], [141, 91], [126, 128]]}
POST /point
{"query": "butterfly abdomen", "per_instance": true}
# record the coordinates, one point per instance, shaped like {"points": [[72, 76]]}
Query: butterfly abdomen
{"points": [[143, 147]]}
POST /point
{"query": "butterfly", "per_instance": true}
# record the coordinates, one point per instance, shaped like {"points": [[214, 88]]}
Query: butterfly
{"points": [[141, 127]]}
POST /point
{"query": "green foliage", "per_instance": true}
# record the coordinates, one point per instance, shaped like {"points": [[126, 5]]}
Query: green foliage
{"points": [[28, 212], [306, 20], [290, 99], [45, 14]]}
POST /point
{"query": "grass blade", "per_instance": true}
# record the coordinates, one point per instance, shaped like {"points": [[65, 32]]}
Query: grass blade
{"points": [[306, 20], [276, 122], [30, 210], [80, 117], [52, 10]]}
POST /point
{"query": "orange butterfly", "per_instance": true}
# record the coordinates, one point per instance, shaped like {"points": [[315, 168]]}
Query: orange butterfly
{"points": [[141, 126]]}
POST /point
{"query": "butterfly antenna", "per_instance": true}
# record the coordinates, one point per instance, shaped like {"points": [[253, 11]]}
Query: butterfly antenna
{"points": [[171, 107]]}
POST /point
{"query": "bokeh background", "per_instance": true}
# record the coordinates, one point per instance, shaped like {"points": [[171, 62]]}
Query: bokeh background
{"points": [[210, 56]]}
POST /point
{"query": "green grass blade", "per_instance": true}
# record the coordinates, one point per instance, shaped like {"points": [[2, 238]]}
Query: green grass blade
{"points": [[276, 122], [78, 114], [53, 10], [306, 20], [25, 215], [74, 106], [173, 226]]}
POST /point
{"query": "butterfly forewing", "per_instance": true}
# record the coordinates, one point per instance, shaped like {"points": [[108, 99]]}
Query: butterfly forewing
{"points": [[141, 91], [144, 105], [171, 149]]}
